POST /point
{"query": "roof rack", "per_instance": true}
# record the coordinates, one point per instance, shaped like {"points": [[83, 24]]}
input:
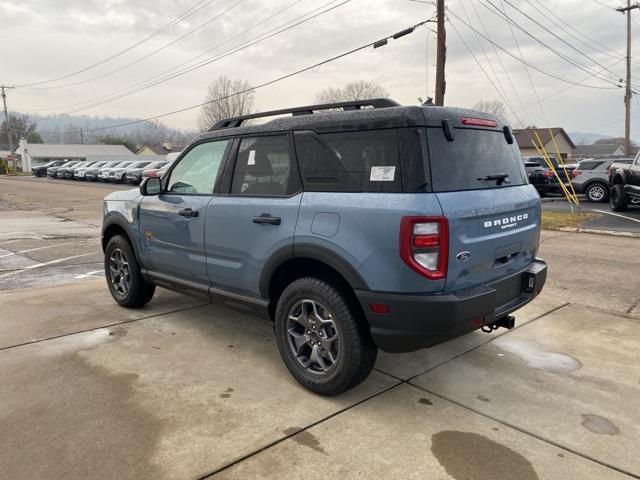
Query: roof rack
{"points": [[307, 110]]}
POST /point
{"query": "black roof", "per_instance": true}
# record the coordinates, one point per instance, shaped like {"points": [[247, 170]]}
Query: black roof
{"points": [[349, 120]]}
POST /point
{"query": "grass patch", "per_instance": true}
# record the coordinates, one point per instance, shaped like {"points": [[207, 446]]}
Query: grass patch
{"points": [[558, 220]]}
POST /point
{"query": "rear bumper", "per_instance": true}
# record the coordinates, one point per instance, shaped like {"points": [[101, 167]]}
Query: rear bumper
{"points": [[420, 321]]}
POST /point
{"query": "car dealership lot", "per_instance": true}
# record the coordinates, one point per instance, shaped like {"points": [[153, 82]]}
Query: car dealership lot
{"points": [[185, 389]]}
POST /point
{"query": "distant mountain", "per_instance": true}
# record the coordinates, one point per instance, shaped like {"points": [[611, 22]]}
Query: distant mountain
{"points": [[584, 138]]}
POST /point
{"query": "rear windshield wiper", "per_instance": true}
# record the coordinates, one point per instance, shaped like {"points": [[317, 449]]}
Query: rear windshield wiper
{"points": [[500, 178]]}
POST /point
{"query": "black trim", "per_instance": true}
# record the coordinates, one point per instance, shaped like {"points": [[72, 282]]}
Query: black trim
{"points": [[276, 259], [332, 259], [113, 220], [419, 321]]}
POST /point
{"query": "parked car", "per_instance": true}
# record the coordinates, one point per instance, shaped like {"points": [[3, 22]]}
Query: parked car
{"points": [[105, 174], [592, 178], [156, 172], [70, 173], [541, 178], [91, 173], [624, 180], [81, 172], [565, 177], [41, 170], [58, 172], [342, 228], [134, 174]]}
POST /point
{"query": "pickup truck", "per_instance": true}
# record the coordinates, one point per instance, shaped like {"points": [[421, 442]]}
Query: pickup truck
{"points": [[624, 181]]}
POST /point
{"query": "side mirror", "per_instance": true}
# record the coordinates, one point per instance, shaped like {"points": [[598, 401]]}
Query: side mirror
{"points": [[150, 186]]}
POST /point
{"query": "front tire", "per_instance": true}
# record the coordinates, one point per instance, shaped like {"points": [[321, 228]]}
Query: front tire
{"points": [[597, 192], [322, 341], [618, 198], [122, 271]]}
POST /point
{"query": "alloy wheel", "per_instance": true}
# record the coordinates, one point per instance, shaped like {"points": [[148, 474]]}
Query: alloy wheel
{"points": [[119, 273], [312, 336], [596, 193]]}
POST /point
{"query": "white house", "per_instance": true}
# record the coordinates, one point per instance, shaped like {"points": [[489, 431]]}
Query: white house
{"points": [[34, 154]]}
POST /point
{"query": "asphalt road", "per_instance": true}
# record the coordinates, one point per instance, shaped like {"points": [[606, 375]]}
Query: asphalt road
{"points": [[185, 389], [607, 219]]}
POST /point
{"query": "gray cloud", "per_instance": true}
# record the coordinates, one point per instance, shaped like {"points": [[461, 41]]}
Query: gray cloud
{"points": [[50, 38]]}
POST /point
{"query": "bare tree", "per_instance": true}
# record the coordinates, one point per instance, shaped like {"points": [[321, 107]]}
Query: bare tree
{"points": [[493, 107], [21, 126], [226, 98], [357, 90]]}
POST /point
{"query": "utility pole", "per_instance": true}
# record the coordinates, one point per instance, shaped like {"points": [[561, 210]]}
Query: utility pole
{"points": [[8, 124], [628, 93], [81, 136], [441, 55]]}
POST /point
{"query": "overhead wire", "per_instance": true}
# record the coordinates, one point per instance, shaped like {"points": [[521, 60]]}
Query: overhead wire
{"points": [[146, 55], [166, 76], [375, 44], [187, 13]]}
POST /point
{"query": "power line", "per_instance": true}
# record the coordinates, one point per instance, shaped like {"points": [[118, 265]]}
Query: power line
{"points": [[187, 13], [378, 43], [145, 56], [530, 65], [159, 78], [549, 47]]}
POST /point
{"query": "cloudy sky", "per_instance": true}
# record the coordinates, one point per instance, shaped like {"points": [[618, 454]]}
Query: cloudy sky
{"points": [[45, 40]]}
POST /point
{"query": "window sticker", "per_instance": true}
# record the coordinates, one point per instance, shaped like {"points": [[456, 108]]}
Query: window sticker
{"points": [[252, 157], [382, 174]]}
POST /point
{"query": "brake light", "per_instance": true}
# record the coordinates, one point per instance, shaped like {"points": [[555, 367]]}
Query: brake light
{"points": [[478, 122], [575, 173], [424, 244], [548, 174]]}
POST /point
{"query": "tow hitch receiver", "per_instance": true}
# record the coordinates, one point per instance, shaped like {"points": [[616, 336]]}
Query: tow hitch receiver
{"points": [[508, 322]]}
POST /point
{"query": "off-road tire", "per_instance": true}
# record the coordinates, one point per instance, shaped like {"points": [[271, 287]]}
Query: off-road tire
{"points": [[357, 352], [618, 198], [597, 192], [140, 292]]}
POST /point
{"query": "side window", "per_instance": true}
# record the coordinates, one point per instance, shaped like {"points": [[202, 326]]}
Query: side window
{"points": [[263, 167], [197, 171], [365, 161]]}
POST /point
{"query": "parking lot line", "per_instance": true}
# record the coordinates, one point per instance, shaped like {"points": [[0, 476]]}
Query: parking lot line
{"points": [[35, 249], [38, 265], [616, 215]]}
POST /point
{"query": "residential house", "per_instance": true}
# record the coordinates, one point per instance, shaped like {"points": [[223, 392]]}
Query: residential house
{"points": [[598, 150], [526, 137], [159, 149]]}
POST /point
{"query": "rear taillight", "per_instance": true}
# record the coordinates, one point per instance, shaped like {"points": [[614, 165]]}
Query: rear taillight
{"points": [[575, 173], [424, 243], [548, 174]]}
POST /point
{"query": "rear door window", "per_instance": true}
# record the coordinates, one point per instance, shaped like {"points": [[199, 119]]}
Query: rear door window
{"points": [[364, 161], [474, 155], [589, 165]]}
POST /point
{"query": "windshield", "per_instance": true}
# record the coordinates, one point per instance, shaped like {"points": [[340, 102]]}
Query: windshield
{"points": [[474, 160]]}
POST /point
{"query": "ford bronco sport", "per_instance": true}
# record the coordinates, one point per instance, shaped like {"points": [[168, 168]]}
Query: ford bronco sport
{"points": [[352, 226]]}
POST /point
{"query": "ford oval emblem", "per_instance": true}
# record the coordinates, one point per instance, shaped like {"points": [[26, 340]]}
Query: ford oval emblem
{"points": [[463, 256]]}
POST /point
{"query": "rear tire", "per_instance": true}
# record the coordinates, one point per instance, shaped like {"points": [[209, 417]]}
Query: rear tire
{"points": [[322, 341], [618, 198], [122, 271], [597, 192]]}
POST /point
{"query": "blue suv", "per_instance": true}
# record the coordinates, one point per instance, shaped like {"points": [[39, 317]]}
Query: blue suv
{"points": [[352, 226]]}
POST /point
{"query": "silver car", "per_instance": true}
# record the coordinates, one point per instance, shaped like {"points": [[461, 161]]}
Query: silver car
{"points": [[592, 177]]}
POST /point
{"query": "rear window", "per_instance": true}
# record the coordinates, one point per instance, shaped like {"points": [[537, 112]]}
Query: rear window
{"points": [[589, 165], [364, 161], [473, 155]]}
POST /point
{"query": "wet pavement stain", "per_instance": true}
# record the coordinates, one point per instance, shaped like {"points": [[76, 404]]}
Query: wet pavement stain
{"points": [[599, 425], [425, 401], [483, 399], [305, 438], [227, 393], [466, 455], [536, 357]]}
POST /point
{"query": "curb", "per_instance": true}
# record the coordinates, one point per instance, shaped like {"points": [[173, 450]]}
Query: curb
{"points": [[611, 233]]}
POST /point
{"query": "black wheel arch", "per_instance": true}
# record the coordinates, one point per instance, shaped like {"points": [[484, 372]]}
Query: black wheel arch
{"points": [[285, 266], [113, 226]]}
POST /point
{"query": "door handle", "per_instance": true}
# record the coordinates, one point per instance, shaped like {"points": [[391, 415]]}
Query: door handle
{"points": [[189, 213], [267, 219]]}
